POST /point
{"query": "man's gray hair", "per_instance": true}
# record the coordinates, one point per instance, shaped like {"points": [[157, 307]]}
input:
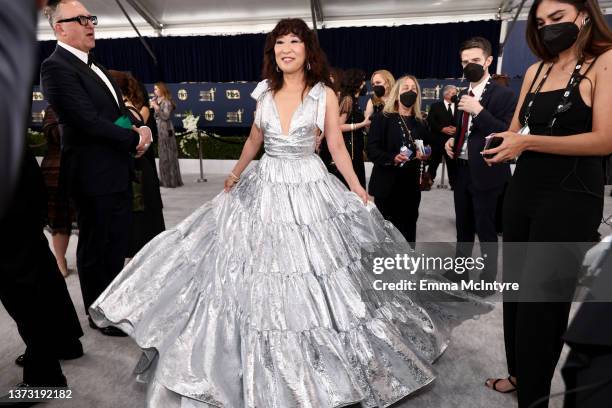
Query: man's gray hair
{"points": [[52, 11], [448, 88]]}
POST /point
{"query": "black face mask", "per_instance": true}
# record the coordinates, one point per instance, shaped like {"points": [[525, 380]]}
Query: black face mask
{"points": [[473, 72], [408, 98], [363, 91], [379, 90], [559, 37]]}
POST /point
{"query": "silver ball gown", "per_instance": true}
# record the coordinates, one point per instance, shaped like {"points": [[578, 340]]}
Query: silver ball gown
{"points": [[263, 296]]}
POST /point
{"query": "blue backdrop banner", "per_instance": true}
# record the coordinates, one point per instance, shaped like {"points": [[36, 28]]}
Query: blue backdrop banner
{"points": [[425, 50], [229, 104]]}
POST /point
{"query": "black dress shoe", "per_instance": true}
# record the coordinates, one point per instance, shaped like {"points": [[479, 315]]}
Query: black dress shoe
{"points": [[112, 332], [92, 324], [20, 361], [107, 331], [70, 351]]}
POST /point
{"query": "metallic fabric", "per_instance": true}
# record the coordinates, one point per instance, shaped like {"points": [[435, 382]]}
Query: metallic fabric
{"points": [[263, 296]]}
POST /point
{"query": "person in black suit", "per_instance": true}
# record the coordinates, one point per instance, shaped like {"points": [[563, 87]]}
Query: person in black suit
{"points": [[485, 108], [442, 120], [97, 153], [32, 290], [396, 174], [18, 36]]}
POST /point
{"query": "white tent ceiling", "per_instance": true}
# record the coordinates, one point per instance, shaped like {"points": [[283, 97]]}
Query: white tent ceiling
{"points": [[190, 17]]}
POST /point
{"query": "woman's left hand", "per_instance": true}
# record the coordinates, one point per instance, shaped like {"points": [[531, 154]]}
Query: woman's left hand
{"points": [[360, 191], [512, 146]]}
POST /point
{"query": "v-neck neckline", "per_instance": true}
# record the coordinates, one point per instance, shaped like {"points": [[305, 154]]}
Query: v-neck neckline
{"points": [[280, 123], [299, 107]]}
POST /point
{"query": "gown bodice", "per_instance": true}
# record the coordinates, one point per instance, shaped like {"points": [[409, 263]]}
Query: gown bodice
{"points": [[308, 118]]}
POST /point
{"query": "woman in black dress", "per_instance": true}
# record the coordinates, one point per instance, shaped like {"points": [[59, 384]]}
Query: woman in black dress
{"points": [[60, 212], [352, 124], [352, 120], [392, 147], [148, 219], [561, 130]]}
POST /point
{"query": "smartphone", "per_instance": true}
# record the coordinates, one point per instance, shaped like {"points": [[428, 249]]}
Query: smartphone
{"points": [[491, 142]]}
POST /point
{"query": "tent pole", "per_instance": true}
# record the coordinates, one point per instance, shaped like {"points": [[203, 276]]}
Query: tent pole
{"points": [[146, 15], [142, 40], [313, 15]]}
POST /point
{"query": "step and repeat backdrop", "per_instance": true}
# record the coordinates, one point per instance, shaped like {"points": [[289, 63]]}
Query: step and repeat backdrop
{"points": [[229, 104]]}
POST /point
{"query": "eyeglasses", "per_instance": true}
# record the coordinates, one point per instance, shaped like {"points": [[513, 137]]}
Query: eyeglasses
{"points": [[82, 20]]}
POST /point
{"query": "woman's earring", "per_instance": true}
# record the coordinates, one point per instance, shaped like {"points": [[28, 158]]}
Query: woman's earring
{"points": [[277, 69], [585, 20], [308, 66]]}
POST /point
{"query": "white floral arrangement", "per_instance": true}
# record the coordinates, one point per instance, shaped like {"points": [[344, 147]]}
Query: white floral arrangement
{"points": [[190, 123]]}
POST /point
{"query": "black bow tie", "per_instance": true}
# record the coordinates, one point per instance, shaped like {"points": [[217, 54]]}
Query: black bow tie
{"points": [[90, 59]]}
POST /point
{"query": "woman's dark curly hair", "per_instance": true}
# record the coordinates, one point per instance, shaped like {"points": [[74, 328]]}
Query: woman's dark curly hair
{"points": [[351, 81], [130, 88], [336, 74], [319, 69]]}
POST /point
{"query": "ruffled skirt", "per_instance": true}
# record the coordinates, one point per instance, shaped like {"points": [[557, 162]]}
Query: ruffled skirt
{"points": [[263, 298]]}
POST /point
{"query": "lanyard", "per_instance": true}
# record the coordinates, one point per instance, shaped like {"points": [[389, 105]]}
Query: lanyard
{"points": [[484, 91], [403, 125], [563, 105]]}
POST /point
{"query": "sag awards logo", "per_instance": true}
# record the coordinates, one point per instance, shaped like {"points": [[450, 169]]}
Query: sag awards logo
{"points": [[37, 117], [209, 115], [232, 94], [432, 93], [183, 95], [208, 96], [37, 96], [235, 117]]}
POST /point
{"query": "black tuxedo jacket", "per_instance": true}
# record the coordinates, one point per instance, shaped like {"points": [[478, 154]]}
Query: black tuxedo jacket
{"points": [[96, 154], [499, 103], [439, 118]]}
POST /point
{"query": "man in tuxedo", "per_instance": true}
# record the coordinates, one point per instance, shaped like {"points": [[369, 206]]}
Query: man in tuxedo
{"points": [[484, 108], [97, 154], [442, 120]]}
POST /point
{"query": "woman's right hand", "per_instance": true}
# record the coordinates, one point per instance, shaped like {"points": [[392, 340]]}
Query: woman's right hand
{"points": [[229, 183], [400, 158]]}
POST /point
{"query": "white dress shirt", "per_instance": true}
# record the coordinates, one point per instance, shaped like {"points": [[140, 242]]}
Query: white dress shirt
{"points": [[452, 106], [83, 57], [477, 91]]}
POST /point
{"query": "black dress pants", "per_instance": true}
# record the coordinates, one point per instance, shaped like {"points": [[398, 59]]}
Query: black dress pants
{"points": [[104, 231], [533, 329], [475, 215]]}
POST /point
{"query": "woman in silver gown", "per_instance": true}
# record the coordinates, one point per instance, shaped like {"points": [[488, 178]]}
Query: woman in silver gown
{"points": [[263, 296]]}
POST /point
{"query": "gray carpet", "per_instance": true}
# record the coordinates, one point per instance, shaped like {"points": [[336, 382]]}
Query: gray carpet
{"points": [[103, 377]]}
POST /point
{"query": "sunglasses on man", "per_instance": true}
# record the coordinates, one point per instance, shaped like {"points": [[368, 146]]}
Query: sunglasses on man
{"points": [[82, 20]]}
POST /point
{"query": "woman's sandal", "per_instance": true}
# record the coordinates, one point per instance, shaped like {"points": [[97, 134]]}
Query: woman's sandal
{"points": [[493, 385]]}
